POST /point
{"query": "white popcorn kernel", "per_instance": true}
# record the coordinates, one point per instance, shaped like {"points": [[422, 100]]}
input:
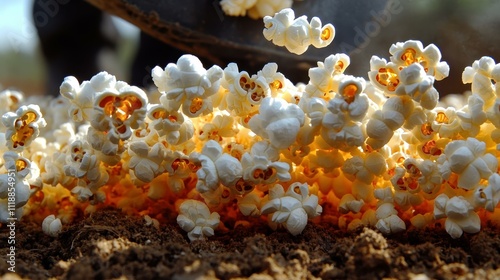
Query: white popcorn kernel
{"points": [[261, 165], [469, 160], [18, 168], [145, 160], [249, 205], [264, 8], [229, 170], [23, 126], [479, 76], [459, 213], [195, 218], [348, 203], [188, 84], [278, 121], [293, 208], [296, 34], [388, 220], [412, 52], [321, 78], [419, 86], [472, 116], [236, 7], [488, 197], [10, 100], [383, 75], [52, 226]]}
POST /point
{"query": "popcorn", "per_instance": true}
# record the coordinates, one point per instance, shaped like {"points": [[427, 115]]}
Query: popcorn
{"points": [[22, 126], [469, 160], [260, 165], [412, 52], [170, 123], [216, 168], [14, 182], [81, 96], [188, 84], [488, 197], [388, 220], [322, 79], [195, 218], [459, 213], [52, 226], [293, 208], [265, 8], [119, 110], [278, 121], [373, 153], [419, 86], [236, 7], [296, 34]]}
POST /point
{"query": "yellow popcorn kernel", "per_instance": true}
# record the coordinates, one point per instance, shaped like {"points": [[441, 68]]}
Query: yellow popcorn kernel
{"points": [[430, 148], [442, 118], [349, 93], [409, 56], [426, 129], [326, 33], [387, 77], [196, 105]]}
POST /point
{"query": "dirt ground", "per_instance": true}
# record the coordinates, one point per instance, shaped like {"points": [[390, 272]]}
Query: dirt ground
{"points": [[110, 245]]}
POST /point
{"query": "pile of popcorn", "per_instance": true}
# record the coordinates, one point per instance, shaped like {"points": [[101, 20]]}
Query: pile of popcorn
{"points": [[219, 148]]}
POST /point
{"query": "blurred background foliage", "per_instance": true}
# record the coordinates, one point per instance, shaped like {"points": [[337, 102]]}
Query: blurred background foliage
{"points": [[464, 30]]}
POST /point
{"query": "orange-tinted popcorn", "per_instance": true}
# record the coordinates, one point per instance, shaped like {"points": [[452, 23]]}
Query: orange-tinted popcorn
{"points": [[220, 145], [22, 126]]}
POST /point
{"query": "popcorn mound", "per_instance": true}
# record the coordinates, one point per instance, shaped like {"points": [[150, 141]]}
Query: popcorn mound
{"points": [[214, 149]]}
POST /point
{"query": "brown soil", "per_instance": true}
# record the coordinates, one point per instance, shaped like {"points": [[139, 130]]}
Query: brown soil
{"points": [[109, 244]]}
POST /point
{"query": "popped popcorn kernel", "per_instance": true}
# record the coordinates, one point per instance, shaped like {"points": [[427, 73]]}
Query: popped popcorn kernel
{"points": [[221, 146], [296, 34]]}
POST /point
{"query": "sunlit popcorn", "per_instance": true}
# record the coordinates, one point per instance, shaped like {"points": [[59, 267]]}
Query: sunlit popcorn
{"points": [[372, 153], [216, 168], [459, 214], [388, 219], [9, 101], [348, 203], [322, 79], [188, 84], [293, 207], [52, 226], [249, 205], [22, 126], [278, 121], [118, 110], [296, 34], [195, 218], [479, 75], [469, 160], [264, 8], [365, 167], [14, 180], [236, 7], [419, 86], [261, 165], [220, 126], [413, 52], [81, 96], [472, 116], [382, 124], [170, 123], [488, 196]]}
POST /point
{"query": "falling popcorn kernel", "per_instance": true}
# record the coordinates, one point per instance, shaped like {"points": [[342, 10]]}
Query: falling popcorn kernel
{"points": [[221, 145]]}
